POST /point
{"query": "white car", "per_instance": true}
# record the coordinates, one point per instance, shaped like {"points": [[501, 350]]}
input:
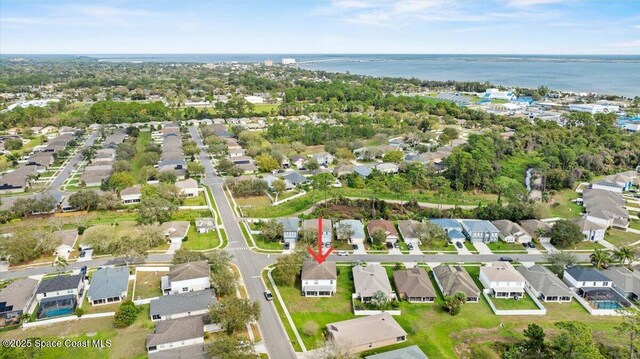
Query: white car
{"points": [[343, 253]]}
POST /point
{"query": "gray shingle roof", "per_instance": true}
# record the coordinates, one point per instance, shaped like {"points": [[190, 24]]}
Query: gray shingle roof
{"points": [[17, 294], [456, 279], [312, 270], [175, 330], [582, 274], [109, 283], [414, 283], [59, 283], [196, 351], [190, 270], [370, 279], [623, 279], [544, 281], [295, 178], [412, 352], [183, 302], [289, 224]]}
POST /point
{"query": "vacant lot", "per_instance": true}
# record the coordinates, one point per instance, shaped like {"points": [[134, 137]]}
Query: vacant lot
{"points": [[201, 241], [148, 284]]}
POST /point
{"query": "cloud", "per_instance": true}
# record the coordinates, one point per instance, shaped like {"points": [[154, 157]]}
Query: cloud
{"points": [[520, 3], [627, 45]]}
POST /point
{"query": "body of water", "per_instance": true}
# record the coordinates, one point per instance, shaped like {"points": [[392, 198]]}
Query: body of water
{"points": [[603, 74]]}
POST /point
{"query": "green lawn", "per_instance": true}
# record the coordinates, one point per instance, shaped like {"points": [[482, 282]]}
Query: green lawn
{"points": [[504, 246], [265, 108], [201, 241], [148, 285], [635, 224], [511, 304], [621, 238], [107, 217], [321, 311], [195, 201], [440, 246], [561, 205], [125, 343], [437, 333], [585, 245], [260, 207], [464, 198], [263, 243]]}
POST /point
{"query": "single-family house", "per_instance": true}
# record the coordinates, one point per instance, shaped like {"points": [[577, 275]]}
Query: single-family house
{"points": [[318, 280], [451, 227], [502, 280], [407, 229], [175, 333], [205, 225], [351, 230], [193, 351], [188, 187], [108, 285], [295, 178], [18, 180], [411, 352], [187, 277], [593, 231], [323, 158], [371, 279], [16, 299], [367, 333], [327, 232], [537, 229], [362, 171], [182, 305], [414, 285], [387, 167], [290, 228], [480, 231], [131, 195], [67, 240], [342, 170], [453, 279], [299, 161], [625, 281], [544, 284], [619, 182], [511, 232], [175, 231], [583, 277], [59, 295], [387, 227]]}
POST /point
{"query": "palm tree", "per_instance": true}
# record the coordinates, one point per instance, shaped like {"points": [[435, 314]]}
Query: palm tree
{"points": [[624, 255], [60, 263], [600, 259]]}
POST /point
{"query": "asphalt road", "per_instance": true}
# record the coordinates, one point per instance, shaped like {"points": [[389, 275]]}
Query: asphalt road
{"points": [[250, 263]]}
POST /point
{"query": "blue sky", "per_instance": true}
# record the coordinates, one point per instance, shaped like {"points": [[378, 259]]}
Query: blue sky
{"points": [[305, 26]]}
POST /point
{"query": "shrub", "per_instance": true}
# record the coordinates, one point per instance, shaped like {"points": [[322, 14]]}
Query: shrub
{"points": [[125, 315], [79, 312], [81, 230], [310, 328]]}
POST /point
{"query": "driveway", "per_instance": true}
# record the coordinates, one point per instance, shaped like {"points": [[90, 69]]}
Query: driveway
{"points": [[533, 251], [395, 251], [482, 248], [549, 247], [415, 250], [463, 250], [360, 249], [173, 247]]}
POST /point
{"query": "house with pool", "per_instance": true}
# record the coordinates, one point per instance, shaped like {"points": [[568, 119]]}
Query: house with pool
{"points": [[594, 290], [59, 295]]}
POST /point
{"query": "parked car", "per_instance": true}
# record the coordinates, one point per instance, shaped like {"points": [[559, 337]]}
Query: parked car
{"points": [[343, 253], [506, 259], [459, 245], [355, 246], [287, 245], [410, 246], [267, 295], [389, 245], [532, 245], [525, 244], [395, 245]]}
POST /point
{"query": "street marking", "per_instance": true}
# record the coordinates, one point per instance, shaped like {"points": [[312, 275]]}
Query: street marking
{"points": [[256, 276]]}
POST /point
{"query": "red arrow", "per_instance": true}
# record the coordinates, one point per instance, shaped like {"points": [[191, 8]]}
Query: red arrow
{"points": [[319, 257]]}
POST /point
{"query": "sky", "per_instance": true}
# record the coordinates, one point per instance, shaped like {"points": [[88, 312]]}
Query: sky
{"points": [[322, 26]]}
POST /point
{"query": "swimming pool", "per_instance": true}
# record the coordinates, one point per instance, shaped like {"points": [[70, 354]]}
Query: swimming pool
{"points": [[56, 312], [607, 304]]}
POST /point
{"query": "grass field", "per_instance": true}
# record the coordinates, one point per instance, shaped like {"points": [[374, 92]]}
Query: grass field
{"points": [[621, 238], [263, 243], [565, 208], [437, 333], [265, 108], [466, 198], [260, 206], [201, 241], [144, 138], [524, 302], [583, 246], [195, 201], [148, 285]]}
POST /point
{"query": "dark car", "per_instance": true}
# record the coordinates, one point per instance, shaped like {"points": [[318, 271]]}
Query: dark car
{"points": [[459, 245], [267, 295], [287, 245], [410, 246], [396, 245], [525, 244], [389, 245], [532, 245], [506, 259], [355, 246]]}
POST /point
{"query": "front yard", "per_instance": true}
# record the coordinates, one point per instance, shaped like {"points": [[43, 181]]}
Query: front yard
{"points": [[200, 241], [621, 238], [582, 246], [195, 201], [504, 246]]}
